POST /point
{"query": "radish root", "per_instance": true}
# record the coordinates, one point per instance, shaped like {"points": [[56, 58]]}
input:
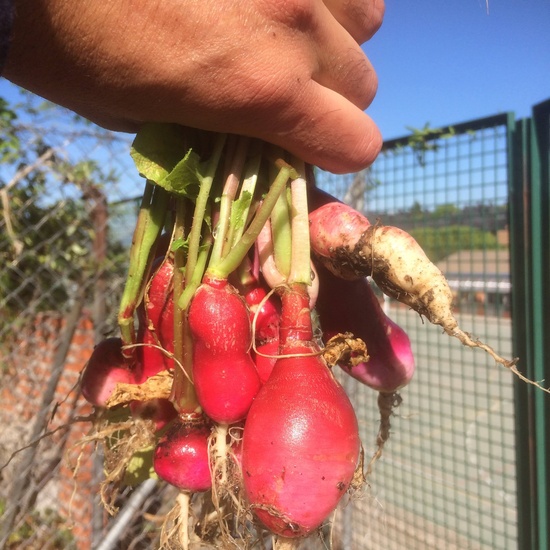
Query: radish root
{"points": [[226, 481], [282, 543], [183, 520], [157, 386], [345, 349], [121, 440], [468, 341], [387, 403], [175, 527]]}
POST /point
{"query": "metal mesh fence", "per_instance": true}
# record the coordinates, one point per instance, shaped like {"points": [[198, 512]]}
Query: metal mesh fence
{"points": [[447, 476]]}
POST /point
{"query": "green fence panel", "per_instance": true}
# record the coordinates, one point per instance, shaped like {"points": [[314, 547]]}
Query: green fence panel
{"points": [[447, 478], [529, 214]]}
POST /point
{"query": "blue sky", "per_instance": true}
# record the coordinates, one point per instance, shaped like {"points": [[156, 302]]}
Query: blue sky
{"points": [[447, 61]]}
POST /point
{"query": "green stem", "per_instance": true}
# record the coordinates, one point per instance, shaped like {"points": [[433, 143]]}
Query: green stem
{"points": [[228, 196], [244, 274], [183, 392], [300, 271], [237, 226], [282, 235], [200, 207], [149, 225], [196, 277], [236, 255]]}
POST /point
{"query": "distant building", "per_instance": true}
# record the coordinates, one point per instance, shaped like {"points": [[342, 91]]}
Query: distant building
{"points": [[480, 280]]}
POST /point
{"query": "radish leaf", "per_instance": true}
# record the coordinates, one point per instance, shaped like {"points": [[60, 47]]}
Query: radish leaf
{"points": [[157, 152], [157, 148]]}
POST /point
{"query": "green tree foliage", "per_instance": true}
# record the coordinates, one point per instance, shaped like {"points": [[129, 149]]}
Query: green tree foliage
{"points": [[439, 242], [50, 211]]}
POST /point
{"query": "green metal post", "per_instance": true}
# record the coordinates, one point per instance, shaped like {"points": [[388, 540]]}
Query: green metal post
{"points": [[540, 154], [520, 271], [530, 269]]}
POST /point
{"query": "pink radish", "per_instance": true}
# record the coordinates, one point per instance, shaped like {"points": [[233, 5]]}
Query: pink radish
{"points": [[224, 374], [347, 244], [181, 456], [105, 369], [301, 442], [352, 306]]}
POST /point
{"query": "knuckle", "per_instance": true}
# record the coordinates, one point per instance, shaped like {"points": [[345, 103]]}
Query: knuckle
{"points": [[357, 79], [295, 14], [365, 18]]}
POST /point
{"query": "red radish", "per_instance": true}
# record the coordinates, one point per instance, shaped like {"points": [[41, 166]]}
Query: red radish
{"points": [[352, 306], [224, 373], [263, 313], [156, 323], [348, 245], [150, 358], [265, 322], [265, 357], [301, 442], [181, 456], [156, 330], [105, 369], [158, 304]]}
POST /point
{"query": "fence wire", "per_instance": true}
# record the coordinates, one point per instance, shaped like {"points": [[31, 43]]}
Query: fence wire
{"points": [[447, 478]]}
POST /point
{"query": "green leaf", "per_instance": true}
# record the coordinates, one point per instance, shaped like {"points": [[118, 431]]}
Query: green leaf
{"points": [[239, 209], [185, 178], [161, 155], [179, 243], [140, 467], [157, 148]]}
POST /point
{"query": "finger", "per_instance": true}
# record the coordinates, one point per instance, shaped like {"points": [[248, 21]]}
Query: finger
{"points": [[329, 132], [361, 18], [342, 64]]}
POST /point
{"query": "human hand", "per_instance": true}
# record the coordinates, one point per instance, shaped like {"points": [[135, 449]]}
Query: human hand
{"points": [[289, 72]]}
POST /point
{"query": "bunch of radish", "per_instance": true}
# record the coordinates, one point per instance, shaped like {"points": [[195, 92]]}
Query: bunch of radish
{"points": [[240, 273]]}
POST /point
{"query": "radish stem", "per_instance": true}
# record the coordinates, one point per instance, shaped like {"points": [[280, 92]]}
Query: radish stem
{"points": [[183, 394], [282, 235], [228, 196], [236, 230], [300, 271], [236, 255], [149, 224], [196, 277], [272, 276], [200, 208]]}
